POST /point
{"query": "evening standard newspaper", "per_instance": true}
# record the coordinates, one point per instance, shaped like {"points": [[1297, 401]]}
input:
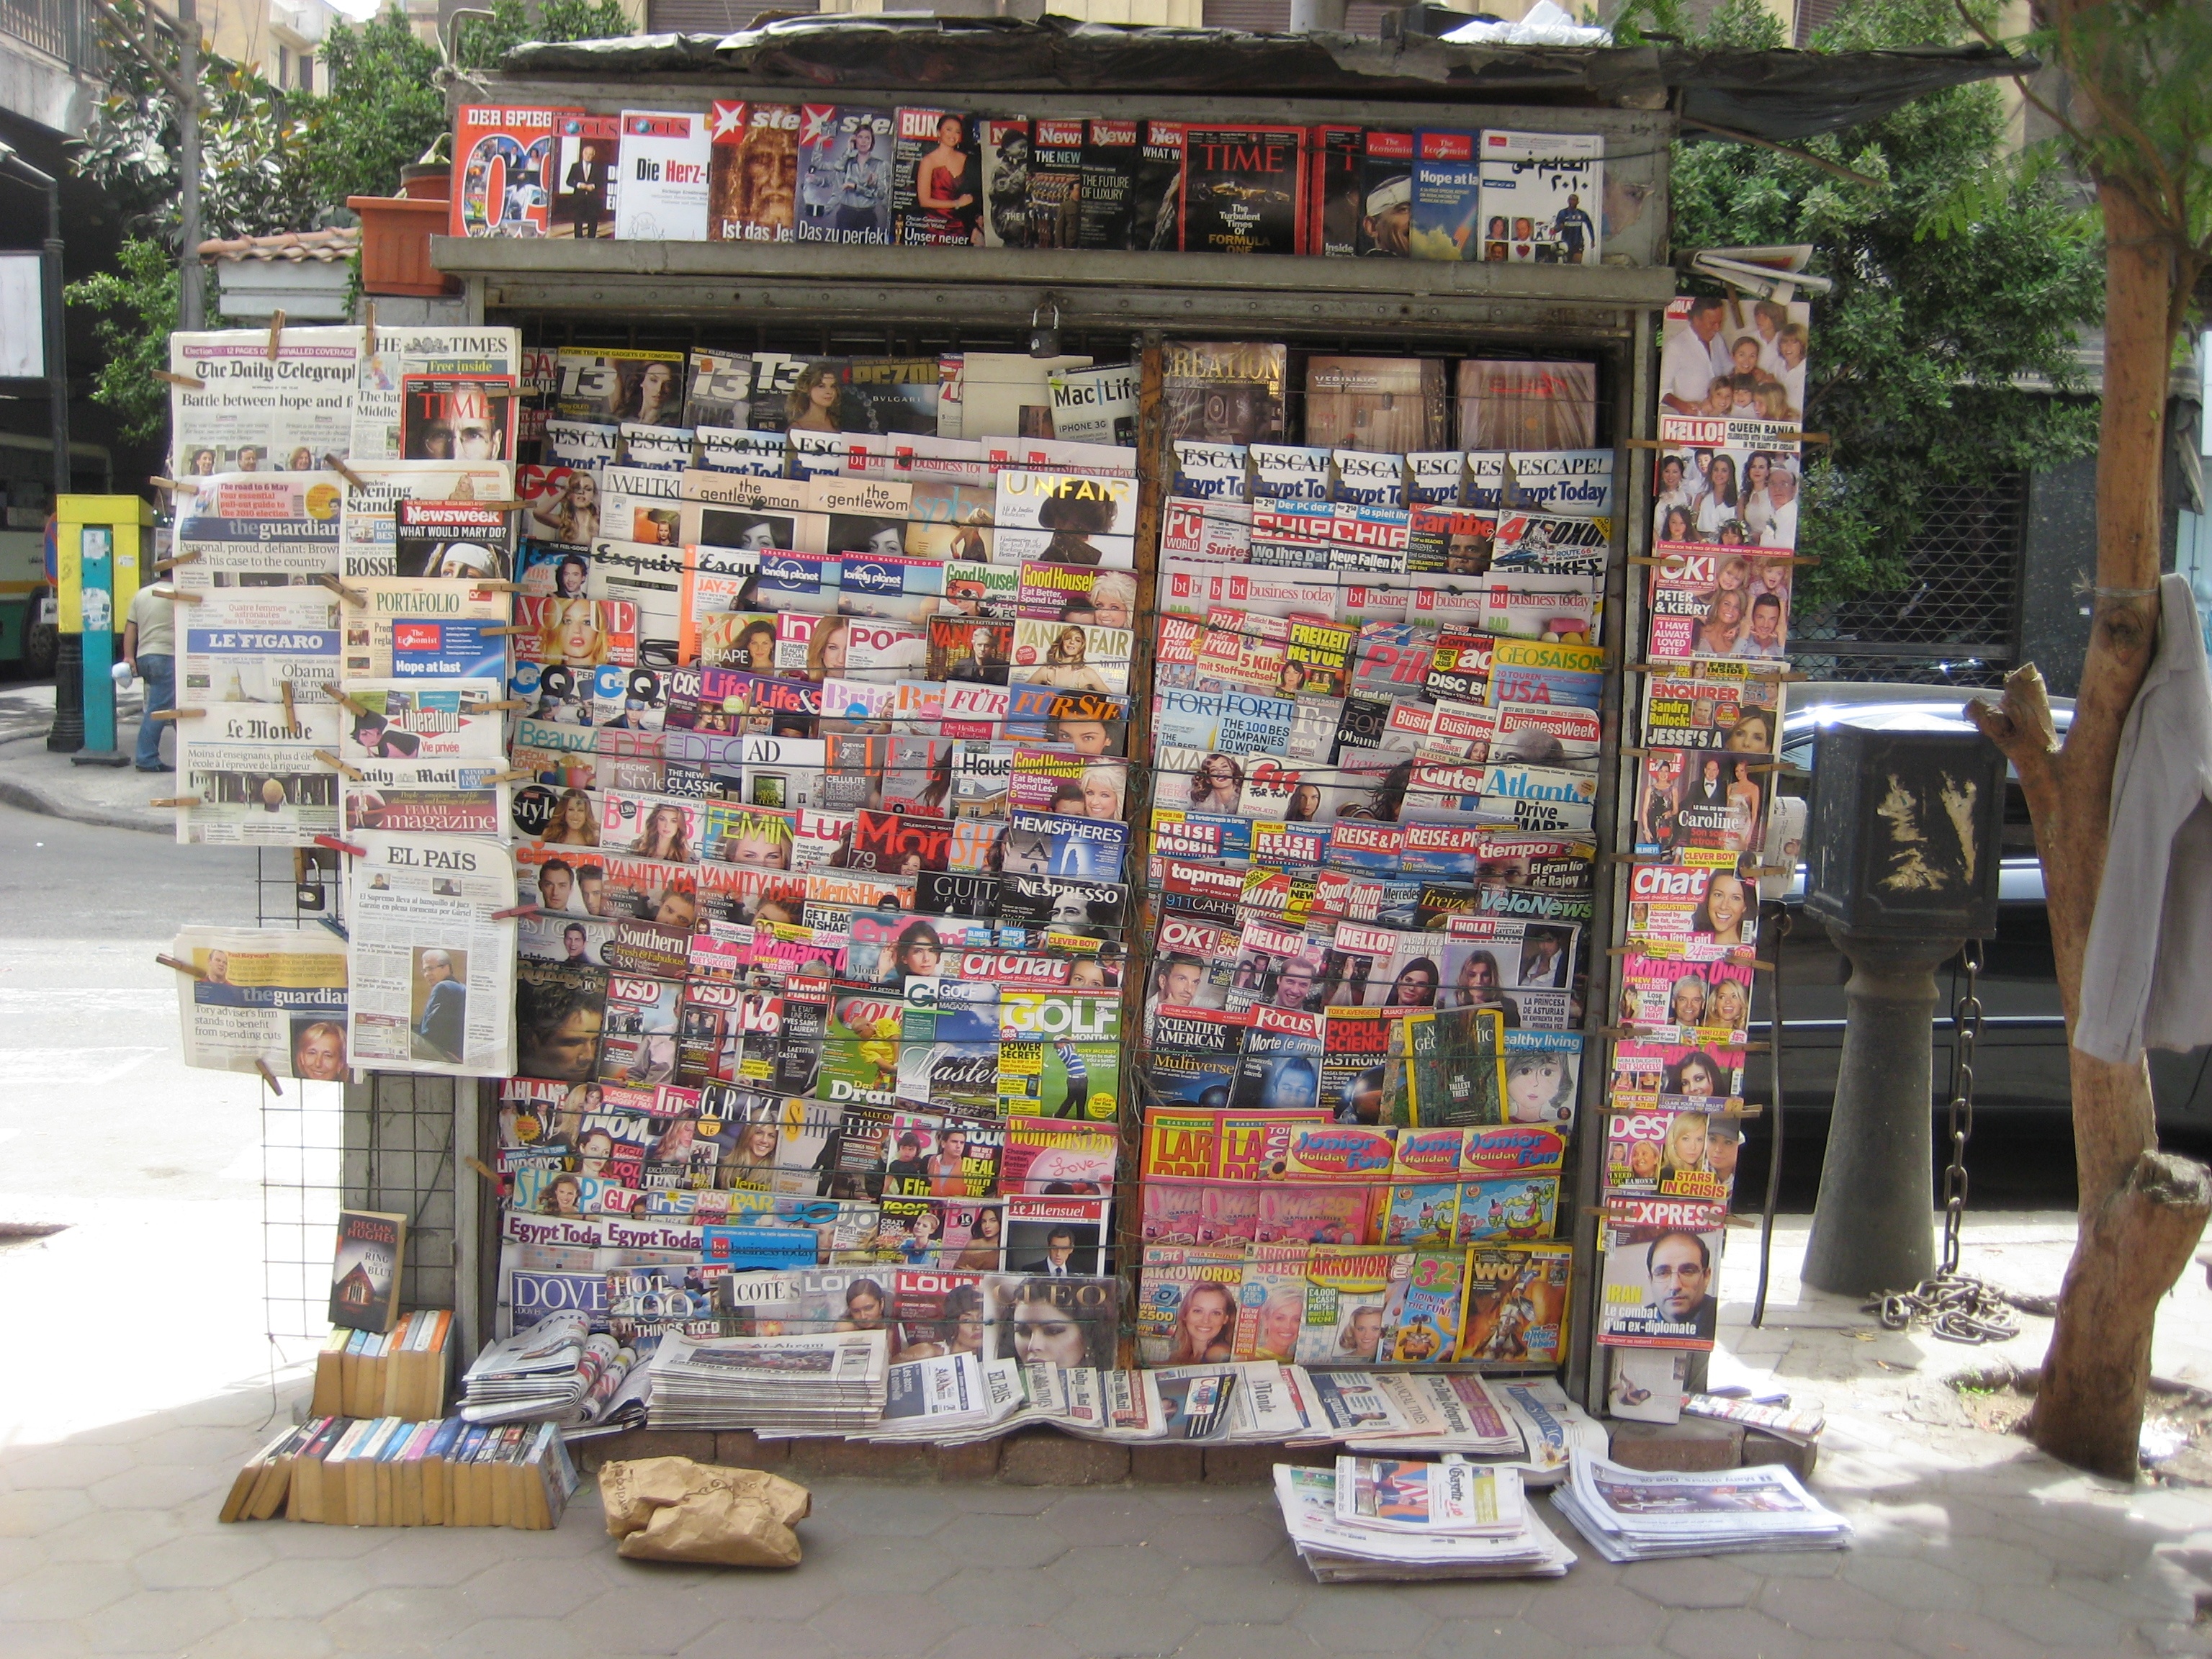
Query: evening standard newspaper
{"points": [[256, 412], [251, 777], [277, 998], [432, 973]]}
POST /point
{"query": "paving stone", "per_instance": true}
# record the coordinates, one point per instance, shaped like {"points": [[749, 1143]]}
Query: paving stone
{"points": [[20, 1555], [1223, 1593], [70, 1467], [1249, 1642], [208, 1445], [1697, 1582], [156, 1621], [202, 1562], [1102, 1517], [298, 1589], [1912, 1585], [2053, 1617], [161, 1486], [66, 1590], [887, 1624], [44, 1638], [1043, 1458], [1110, 1624], [1139, 1571], [1964, 1636], [1581, 1616], [34, 1514], [1363, 1618], [549, 1589], [120, 1535], [1506, 1638], [2175, 1638], [745, 1638], [1203, 1538], [1003, 1541], [511, 1637], [1730, 1633], [1991, 1564], [1827, 1608], [267, 1638], [861, 1566], [987, 1597], [399, 1619], [302, 1541], [1473, 1599], [1009, 1642]]}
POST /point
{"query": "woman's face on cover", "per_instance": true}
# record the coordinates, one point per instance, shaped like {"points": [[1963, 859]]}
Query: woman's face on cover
{"points": [[1724, 902], [1205, 1315], [1045, 1335], [1101, 799], [1530, 1093]]}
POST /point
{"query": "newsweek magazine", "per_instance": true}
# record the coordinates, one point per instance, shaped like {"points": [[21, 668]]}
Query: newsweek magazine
{"points": [[262, 998], [431, 974]]}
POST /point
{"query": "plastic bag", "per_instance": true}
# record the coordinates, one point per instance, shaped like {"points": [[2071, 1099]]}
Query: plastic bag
{"points": [[670, 1508]]}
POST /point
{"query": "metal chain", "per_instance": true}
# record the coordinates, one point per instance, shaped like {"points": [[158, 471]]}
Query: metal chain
{"points": [[1958, 1308]]}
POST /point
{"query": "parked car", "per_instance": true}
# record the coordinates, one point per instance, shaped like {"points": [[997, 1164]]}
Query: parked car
{"points": [[2020, 1060]]}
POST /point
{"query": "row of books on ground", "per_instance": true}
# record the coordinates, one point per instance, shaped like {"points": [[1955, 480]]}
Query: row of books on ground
{"points": [[854, 176], [397, 1472], [1391, 431], [400, 1372]]}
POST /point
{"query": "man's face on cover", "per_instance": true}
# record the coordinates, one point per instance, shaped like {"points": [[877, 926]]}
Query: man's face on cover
{"points": [[473, 439], [1678, 1276]]}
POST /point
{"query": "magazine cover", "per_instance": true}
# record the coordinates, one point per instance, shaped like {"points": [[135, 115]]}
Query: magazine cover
{"points": [[1703, 999], [1445, 190], [1671, 1154], [1055, 201], [1509, 406], [1386, 196], [1718, 603], [1516, 1304], [1392, 404], [1110, 155], [1704, 798], [1732, 375], [1661, 1273], [463, 417], [1046, 1319], [1226, 392], [1542, 197], [1691, 903], [1156, 217], [664, 158], [936, 179], [1243, 191], [1332, 217], [501, 156], [1421, 1318], [752, 190], [587, 157], [844, 175], [1732, 706], [1003, 145]]}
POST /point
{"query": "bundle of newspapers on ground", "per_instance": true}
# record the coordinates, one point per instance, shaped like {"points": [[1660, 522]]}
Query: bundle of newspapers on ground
{"points": [[1396, 1518], [1633, 1514], [560, 1371]]}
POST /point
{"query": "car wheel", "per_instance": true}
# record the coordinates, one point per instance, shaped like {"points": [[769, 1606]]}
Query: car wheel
{"points": [[42, 645]]}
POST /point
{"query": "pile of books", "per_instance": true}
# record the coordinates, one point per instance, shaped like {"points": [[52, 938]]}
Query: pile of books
{"points": [[836, 1383], [395, 1373], [390, 1472], [1380, 1518], [1630, 1515], [558, 1370]]}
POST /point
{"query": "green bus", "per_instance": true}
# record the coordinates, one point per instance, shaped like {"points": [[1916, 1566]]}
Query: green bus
{"points": [[29, 637]]}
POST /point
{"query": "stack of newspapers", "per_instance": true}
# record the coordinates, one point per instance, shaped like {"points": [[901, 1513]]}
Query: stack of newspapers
{"points": [[1394, 1518], [1630, 1515], [948, 1400], [550, 1372], [831, 1383]]}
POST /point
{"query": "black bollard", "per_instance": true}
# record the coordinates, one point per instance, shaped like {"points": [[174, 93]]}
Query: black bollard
{"points": [[1902, 859], [66, 735]]}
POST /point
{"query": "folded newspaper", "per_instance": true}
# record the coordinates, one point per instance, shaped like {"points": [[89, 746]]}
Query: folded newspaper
{"points": [[1403, 1541], [1634, 1514], [833, 1383]]}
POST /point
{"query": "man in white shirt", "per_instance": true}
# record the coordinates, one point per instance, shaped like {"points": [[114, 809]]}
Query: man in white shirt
{"points": [[1782, 522], [1693, 358]]}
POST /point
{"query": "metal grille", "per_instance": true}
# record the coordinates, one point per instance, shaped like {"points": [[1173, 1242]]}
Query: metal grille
{"points": [[714, 16], [1956, 621], [60, 28], [1273, 16]]}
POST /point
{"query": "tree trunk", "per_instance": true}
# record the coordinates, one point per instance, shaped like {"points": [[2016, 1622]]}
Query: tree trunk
{"points": [[2135, 1206]]}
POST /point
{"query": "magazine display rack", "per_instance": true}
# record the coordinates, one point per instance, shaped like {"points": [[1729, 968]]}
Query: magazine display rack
{"points": [[812, 297]]}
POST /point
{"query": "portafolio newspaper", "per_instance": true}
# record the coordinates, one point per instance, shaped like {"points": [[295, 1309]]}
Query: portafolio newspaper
{"points": [[432, 973], [271, 998]]}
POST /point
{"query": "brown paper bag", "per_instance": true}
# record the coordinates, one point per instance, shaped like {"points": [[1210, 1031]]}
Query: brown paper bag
{"points": [[670, 1508]]}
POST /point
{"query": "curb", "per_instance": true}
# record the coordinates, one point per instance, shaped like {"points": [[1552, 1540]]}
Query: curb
{"points": [[30, 798]]}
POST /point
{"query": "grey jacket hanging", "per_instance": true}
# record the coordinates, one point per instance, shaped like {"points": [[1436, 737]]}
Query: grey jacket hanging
{"points": [[2145, 982]]}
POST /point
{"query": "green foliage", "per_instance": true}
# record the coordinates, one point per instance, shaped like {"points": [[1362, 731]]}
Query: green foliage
{"points": [[138, 303], [383, 110], [479, 43], [1962, 271], [582, 20]]}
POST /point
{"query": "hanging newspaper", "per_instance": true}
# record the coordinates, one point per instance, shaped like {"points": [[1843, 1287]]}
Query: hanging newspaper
{"points": [[422, 627], [252, 777], [454, 797], [244, 529], [421, 719], [432, 973], [276, 998], [403, 354], [248, 644], [443, 522], [251, 412]]}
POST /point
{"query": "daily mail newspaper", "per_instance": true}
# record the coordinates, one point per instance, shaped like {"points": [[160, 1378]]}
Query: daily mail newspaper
{"points": [[252, 415], [274, 997], [432, 973], [252, 777]]}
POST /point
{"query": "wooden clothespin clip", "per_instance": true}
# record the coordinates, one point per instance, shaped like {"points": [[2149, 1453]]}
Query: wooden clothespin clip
{"points": [[508, 628], [337, 765], [505, 705], [185, 968], [368, 329], [351, 595], [495, 586], [338, 846], [168, 486], [262, 1066], [276, 339], [189, 382], [166, 565], [291, 708], [483, 1169], [515, 910], [508, 777], [178, 801], [332, 692], [336, 465], [177, 598], [178, 714]]}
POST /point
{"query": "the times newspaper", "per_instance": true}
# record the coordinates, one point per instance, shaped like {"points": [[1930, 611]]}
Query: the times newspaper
{"points": [[432, 973], [264, 998]]}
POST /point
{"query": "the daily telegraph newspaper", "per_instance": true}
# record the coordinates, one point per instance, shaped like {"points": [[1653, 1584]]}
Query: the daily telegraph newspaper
{"points": [[271, 998], [252, 777], [257, 529], [432, 973], [249, 414], [401, 353]]}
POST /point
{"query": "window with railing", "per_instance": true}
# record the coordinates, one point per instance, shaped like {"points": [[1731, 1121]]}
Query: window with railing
{"points": [[60, 28]]}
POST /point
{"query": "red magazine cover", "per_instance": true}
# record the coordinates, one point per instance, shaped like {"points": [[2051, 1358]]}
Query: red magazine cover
{"points": [[501, 159]]}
